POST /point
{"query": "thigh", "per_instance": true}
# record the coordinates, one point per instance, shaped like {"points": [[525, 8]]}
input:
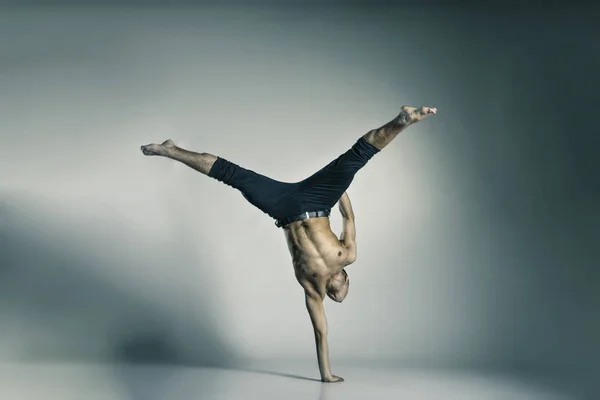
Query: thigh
{"points": [[275, 198], [272, 197], [324, 188]]}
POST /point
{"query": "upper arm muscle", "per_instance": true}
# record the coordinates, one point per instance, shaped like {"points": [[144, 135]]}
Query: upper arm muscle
{"points": [[348, 239], [314, 305], [348, 236]]}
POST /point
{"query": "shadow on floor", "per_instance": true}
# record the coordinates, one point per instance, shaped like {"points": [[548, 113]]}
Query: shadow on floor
{"points": [[57, 305]]}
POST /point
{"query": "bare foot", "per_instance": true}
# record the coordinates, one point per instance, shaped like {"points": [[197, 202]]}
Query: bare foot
{"points": [[158, 149], [410, 115], [333, 379]]}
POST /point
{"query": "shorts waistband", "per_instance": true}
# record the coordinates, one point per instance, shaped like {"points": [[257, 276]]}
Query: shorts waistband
{"points": [[308, 214]]}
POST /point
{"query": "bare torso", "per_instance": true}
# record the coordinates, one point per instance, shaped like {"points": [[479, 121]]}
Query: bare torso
{"points": [[319, 258], [317, 253]]}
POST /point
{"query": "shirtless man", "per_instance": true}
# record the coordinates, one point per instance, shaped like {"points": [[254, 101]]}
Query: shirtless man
{"points": [[302, 209]]}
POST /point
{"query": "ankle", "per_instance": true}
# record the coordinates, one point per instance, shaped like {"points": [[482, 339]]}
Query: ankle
{"points": [[403, 119]]}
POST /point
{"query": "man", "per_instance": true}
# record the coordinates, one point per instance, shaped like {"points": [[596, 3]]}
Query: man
{"points": [[302, 210]]}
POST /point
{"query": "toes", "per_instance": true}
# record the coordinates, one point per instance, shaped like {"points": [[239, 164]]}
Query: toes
{"points": [[414, 114], [425, 111], [147, 150]]}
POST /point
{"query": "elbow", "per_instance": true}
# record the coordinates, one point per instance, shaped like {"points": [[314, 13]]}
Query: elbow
{"points": [[320, 334], [351, 258]]}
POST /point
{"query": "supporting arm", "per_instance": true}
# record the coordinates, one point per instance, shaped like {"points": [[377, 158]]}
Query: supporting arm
{"points": [[314, 305]]}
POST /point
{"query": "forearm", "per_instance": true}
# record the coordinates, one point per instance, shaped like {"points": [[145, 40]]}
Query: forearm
{"points": [[347, 213], [314, 304], [345, 207], [323, 355], [348, 235]]}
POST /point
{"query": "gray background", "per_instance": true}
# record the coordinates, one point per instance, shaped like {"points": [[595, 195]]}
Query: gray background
{"points": [[478, 229]]}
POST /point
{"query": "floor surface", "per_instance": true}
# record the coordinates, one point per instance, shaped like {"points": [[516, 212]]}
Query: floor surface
{"points": [[282, 382]]}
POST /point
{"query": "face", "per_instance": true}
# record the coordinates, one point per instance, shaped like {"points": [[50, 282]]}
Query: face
{"points": [[337, 288]]}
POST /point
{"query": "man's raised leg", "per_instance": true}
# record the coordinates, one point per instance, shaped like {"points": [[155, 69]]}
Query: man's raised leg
{"points": [[382, 136], [201, 162], [270, 196]]}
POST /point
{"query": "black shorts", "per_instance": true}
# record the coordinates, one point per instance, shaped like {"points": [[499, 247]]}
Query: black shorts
{"points": [[280, 200]]}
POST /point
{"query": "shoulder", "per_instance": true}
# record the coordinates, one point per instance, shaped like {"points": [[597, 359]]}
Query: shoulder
{"points": [[312, 289]]}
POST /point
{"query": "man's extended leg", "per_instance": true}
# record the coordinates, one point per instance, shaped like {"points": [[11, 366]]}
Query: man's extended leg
{"points": [[201, 162], [382, 136], [277, 199], [323, 189]]}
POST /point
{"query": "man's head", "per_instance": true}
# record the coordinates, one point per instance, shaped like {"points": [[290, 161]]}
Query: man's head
{"points": [[337, 287]]}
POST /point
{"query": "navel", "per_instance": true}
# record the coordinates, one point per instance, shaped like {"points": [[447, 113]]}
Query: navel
{"points": [[339, 253]]}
